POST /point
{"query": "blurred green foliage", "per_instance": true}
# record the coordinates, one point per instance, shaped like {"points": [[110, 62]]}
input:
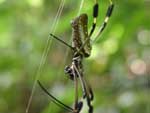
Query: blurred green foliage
{"points": [[118, 69]]}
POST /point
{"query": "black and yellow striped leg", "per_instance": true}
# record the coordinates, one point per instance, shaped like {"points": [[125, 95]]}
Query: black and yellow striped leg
{"points": [[108, 14], [95, 15]]}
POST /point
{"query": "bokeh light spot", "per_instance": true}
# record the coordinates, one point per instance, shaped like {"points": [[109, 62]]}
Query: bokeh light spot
{"points": [[35, 3], [144, 37], [117, 31], [6, 80], [110, 46], [126, 99], [1, 1], [95, 51], [138, 66]]}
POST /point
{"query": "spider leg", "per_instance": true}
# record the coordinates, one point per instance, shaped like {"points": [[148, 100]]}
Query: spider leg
{"points": [[55, 100], [83, 85], [89, 96], [90, 91], [77, 105], [108, 14], [86, 90], [60, 40], [95, 15]]}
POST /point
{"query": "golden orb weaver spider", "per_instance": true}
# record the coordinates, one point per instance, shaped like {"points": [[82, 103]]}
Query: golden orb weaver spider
{"points": [[81, 48]]}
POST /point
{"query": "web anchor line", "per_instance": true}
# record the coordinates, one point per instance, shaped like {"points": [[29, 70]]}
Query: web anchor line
{"points": [[44, 56]]}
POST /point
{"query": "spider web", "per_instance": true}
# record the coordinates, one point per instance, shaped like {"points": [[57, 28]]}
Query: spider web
{"points": [[45, 53], [47, 48]]}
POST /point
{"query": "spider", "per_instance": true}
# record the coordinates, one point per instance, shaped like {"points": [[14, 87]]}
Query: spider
{"points": [[81, 47]]}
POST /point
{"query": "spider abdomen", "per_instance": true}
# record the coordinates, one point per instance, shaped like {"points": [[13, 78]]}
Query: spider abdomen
{"points": [[81, 41]]}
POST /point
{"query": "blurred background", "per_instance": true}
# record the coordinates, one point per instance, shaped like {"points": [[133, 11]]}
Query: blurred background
{"points": [[118, 68]]}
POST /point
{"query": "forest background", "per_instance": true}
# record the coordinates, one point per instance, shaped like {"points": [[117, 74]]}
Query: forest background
{"points": [[118, 68]]}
